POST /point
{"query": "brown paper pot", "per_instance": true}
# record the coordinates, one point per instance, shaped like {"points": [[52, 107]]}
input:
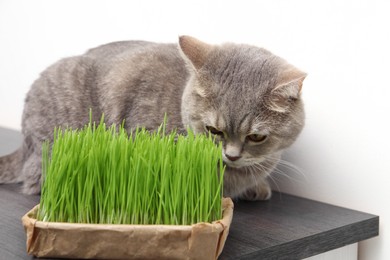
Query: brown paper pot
{"points": [[101, 241]]}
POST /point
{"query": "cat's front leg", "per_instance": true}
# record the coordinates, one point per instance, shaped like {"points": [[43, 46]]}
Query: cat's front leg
{"points": [[261, 191]]}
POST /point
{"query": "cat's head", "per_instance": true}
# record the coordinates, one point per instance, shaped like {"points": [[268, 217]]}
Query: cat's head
{"points": [[246, 96]]}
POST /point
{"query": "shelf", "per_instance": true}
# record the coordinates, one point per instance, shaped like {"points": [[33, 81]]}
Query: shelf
{"points": [[289, 227]]}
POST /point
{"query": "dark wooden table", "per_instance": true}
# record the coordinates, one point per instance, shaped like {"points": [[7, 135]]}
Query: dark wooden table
{"points": [[286, 227]]}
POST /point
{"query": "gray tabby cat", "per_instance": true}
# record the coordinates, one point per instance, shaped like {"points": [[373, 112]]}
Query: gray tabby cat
{"points": [[245, 96]]}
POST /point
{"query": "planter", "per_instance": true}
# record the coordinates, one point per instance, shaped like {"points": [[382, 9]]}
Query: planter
{"points": [[101, 241]]}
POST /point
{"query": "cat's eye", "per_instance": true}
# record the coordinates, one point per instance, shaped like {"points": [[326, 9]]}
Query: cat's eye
{"points": [[214, 130], [256, 138]]}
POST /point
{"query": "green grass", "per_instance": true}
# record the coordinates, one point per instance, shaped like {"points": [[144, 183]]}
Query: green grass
{"points": [[102, 174]]}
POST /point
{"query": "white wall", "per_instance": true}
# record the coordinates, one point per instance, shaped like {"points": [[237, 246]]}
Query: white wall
{"points": [[343, 45]]}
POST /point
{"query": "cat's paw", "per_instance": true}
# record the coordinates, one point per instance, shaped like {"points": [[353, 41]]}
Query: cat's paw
{"points": [[258, 193]]}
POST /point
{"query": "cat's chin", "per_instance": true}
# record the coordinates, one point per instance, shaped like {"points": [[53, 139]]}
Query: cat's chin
{"points": [[241, 163], [233, 165]]}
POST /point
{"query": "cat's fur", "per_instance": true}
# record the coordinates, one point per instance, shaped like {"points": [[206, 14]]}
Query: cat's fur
{"points": [[232, 90]]}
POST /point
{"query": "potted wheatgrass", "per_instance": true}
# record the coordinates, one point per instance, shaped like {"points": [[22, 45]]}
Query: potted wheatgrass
{"points": [[107, 194]]}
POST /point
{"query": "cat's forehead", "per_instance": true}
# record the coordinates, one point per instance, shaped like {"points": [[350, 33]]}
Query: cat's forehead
{"points": [[244, 58], [243, 68]]}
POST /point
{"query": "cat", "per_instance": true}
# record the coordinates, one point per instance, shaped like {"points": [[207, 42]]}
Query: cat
{"points": [[247, 97]]}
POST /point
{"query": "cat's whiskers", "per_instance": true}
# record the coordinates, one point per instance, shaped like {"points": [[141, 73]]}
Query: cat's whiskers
{"points": [[293, 169], [264, 169], [254, 179], [272, 178], [294, 173], [268, 168]]}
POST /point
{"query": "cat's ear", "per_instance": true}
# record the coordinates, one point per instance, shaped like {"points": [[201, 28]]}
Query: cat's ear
{"points": [[287, 90], [194, 50]]}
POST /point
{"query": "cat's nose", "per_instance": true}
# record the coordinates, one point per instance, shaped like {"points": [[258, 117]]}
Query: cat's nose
{"points": [[232, 158]]}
